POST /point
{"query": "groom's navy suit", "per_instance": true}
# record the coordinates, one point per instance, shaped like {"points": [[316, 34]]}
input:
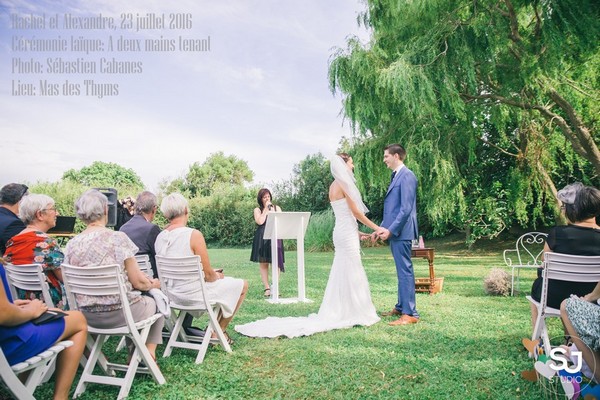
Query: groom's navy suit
{"points": [[400, 218]]}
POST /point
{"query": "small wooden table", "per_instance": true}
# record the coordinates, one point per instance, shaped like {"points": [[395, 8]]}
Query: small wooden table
{"points": [[424, 284]]}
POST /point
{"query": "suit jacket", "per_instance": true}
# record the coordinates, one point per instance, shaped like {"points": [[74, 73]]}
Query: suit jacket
{"points": [[10, 225], [400, 206], [143, 234]]}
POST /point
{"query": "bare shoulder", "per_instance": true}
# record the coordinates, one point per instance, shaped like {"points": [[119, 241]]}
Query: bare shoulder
{"points": [[196, 234], [335, 191]]}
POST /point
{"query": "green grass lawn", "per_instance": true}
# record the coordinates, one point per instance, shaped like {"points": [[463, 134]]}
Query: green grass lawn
{"points": [[467, 345]]}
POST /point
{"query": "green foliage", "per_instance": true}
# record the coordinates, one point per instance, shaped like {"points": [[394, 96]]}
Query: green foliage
{"points": [[226, 217], [308, 189], [495, 102], [319, 233], [218, 170], [66, 192], [102, 174]]}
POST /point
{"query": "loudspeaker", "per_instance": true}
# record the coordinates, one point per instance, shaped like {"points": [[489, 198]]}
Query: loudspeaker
{"points": [[111, 195]]}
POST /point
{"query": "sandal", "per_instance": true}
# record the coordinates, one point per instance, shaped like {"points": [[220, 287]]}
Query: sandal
{"points": [[269, 292], [214, 341]]}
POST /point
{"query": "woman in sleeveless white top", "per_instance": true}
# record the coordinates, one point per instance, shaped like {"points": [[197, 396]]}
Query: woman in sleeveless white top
{"points": [[347, 298], [226, 291], [178, 240]]}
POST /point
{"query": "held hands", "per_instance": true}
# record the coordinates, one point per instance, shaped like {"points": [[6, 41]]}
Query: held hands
{"points": [[155, 283], [380, 233]]}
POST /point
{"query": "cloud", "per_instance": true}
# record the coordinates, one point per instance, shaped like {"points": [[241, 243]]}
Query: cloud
{"points": [[261, 93]]}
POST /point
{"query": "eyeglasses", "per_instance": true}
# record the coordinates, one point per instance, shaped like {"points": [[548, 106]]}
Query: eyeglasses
{"points": [[50, 209]]}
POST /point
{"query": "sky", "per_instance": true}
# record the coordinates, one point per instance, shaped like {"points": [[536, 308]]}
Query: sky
{"points": [[260, 92]]}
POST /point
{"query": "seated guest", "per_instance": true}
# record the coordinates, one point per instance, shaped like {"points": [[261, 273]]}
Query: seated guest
{"points": [[581, 317], [581, 237], [143, 233], [33, 246], [177, 240], [10, 224], [140, 228], [20, 339], [97, 245]]}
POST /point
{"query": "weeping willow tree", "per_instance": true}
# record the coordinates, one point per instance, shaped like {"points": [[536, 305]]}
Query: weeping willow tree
{"points": [[496, 102]]}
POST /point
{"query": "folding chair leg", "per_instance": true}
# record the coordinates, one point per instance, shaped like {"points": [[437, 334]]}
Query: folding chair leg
{"points": [[512, 282], [88, 370], [122, 344], [213, 325], [16, 387], [174, 334], [546, 339]]}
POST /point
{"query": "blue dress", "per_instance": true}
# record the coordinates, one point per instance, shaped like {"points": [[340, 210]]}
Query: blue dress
{"points": [[23, 341]]}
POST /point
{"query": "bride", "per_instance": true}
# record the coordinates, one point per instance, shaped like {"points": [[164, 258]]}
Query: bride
{"points": [[347, 299]]}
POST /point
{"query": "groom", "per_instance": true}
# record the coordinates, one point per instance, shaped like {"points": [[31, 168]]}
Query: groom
{"points": [[399, 226]]}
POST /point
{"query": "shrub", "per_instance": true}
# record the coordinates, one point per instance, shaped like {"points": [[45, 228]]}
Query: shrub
{"points": [[497, 283], [225, 218], [319, 233]]}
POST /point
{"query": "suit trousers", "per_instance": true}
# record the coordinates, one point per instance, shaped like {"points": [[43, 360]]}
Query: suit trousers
{"points": [[401, 251]]}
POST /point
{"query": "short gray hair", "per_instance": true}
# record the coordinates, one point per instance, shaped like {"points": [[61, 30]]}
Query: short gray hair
{"points": [[91, 206], [173, 206], [145, 202], [31, 204]]}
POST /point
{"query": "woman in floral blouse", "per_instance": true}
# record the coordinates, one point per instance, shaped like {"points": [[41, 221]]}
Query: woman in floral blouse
{"points": [[97, 245], [33, 246]]}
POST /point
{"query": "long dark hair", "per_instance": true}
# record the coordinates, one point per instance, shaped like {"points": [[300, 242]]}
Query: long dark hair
{"points": [[260, 195]]}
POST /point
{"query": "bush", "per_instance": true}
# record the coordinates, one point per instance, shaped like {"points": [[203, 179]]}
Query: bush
{"points": [[225, 218], [497, 283], [319, 233]]}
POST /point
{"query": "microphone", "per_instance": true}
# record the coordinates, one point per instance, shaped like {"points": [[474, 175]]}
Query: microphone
{"points": [[270, 207]]}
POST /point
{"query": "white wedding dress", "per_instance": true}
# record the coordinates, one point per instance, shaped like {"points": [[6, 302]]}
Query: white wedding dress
{"points": [[347, 299]]}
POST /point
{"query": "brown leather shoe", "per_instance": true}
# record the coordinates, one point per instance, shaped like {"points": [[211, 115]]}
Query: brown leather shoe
{"points": [[405, 319], [391, 313]]}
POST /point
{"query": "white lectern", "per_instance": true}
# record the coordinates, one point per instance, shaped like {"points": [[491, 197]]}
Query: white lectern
{"points": [[287, 225]]}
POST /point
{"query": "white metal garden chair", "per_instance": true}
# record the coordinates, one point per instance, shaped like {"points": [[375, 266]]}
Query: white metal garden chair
{"points": [[564, 267], [104, 281], [526, 254], [171, 272]]}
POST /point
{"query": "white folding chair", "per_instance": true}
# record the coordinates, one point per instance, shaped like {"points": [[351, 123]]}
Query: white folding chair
{"points": [[143, 261], [37, 365], [28, 277], [564, 267], [108, 280], [31, 277], [175, 270], [526, 254]]}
